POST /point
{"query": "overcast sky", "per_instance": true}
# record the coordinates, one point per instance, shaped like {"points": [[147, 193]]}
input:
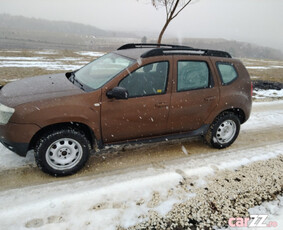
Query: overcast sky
{"points": [[256, 21]]}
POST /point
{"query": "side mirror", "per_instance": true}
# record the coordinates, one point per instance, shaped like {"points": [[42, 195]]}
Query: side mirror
{"points": [[118, 93], [68, 74]]}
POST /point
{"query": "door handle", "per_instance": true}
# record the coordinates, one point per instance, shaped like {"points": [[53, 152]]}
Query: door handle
{"points": [[210, 98], [161, 104]]}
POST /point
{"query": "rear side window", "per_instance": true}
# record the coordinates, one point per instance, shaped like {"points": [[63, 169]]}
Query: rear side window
{"points": [[227, 72], [193, 75]]}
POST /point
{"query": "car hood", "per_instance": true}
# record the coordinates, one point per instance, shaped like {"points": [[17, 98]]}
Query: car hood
{"points": [[37, 88]]}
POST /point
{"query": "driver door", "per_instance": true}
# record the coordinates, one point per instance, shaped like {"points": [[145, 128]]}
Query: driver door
{"points": [[145, 112]]}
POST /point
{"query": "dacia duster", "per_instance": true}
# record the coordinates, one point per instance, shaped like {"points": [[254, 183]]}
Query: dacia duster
{"points": [[138, 93]]}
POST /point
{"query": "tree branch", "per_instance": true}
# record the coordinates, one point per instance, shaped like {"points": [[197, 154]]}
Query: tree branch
{"points": [[171, 5], [166, 7], [173, 11], [181, 9]]}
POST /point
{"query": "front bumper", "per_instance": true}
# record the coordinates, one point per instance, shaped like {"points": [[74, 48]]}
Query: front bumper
{"points": [[17, 137], [19, 148]]}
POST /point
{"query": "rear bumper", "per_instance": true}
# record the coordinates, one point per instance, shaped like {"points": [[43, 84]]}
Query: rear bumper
{"points": [[18, 148]]}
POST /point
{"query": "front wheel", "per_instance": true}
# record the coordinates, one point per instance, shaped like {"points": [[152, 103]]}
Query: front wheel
{"points": [[223, 131], [62, 152]]}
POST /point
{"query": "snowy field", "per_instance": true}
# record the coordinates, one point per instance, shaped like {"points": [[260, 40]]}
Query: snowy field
{"points": [[270, 70], [271, 93], [46, 62], [26, 63]]}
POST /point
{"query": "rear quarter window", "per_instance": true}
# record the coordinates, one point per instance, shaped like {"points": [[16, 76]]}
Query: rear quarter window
{"points": [[227, 72]]}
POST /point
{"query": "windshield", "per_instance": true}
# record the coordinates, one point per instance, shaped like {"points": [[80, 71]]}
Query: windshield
{"points": [[97, 73]]}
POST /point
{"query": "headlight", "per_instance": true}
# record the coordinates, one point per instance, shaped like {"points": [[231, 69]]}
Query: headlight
{"points": [[5, 114]]}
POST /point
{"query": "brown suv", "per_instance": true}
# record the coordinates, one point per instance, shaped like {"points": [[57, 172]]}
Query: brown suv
{"points": [[139, 93]]}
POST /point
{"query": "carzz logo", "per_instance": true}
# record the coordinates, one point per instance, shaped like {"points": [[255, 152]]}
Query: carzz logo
{"points": [[253, 221]]}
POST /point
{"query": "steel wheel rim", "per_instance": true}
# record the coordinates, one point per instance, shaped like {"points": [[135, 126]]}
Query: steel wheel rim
{"points": [[64, 153], [226, 131]]}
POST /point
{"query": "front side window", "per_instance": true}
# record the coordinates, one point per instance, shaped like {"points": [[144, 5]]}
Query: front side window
{"points": [[100, 71], [148, 80], [227, 72], [192, 75]]}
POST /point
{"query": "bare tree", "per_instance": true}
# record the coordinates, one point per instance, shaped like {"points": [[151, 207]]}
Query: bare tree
{"points": [[173, 8]]}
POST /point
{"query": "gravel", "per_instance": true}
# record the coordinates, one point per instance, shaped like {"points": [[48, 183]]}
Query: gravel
{"points": [[229, 193]]}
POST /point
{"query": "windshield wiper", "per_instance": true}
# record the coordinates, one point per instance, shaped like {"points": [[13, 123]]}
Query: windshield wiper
{"points": [[76, 81]]}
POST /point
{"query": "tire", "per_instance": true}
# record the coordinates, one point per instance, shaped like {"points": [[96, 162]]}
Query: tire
{"points": [[223, 131], [62, 152]]}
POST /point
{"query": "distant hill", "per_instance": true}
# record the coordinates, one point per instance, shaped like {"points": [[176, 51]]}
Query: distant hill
{"points": [[235, 48], [18, 32], [41, 25]]}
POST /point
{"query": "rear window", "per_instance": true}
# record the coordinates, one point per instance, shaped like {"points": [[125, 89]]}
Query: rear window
{"points": [[227, 72]]}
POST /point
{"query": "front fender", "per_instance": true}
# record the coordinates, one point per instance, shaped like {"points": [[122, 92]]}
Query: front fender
{"points": [[79, 109]]}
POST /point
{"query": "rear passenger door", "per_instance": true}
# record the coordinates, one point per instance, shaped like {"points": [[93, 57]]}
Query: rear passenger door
{"points": [[194, 93]]}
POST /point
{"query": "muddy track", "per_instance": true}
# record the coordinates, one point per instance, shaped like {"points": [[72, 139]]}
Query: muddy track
{"points": [[130, 158]]}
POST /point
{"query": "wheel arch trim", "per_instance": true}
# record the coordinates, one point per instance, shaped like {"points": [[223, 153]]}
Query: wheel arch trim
{"points": [[77, 125]]}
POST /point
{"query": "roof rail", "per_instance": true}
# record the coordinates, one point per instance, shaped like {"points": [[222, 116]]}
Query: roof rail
{"points": [[149, 45], [200, 52], [165, 49]]}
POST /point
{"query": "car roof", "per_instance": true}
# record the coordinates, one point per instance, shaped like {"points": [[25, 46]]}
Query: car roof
{"points": [[133, 53], [143, 50]]}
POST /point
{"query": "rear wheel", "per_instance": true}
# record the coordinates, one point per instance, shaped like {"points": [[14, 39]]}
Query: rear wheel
{"points": [[223, 131], [62, 152]]}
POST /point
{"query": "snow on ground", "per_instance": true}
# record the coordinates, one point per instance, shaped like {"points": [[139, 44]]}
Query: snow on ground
{"points": [[10, 160], [48, 62], [271, 117], [104, 203], [46, 52], [270, 93], [274, 212], [273, 209], [90, 53], [265, 67], [124, 198], [10, 80], [48, 65], [21, 58]]}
